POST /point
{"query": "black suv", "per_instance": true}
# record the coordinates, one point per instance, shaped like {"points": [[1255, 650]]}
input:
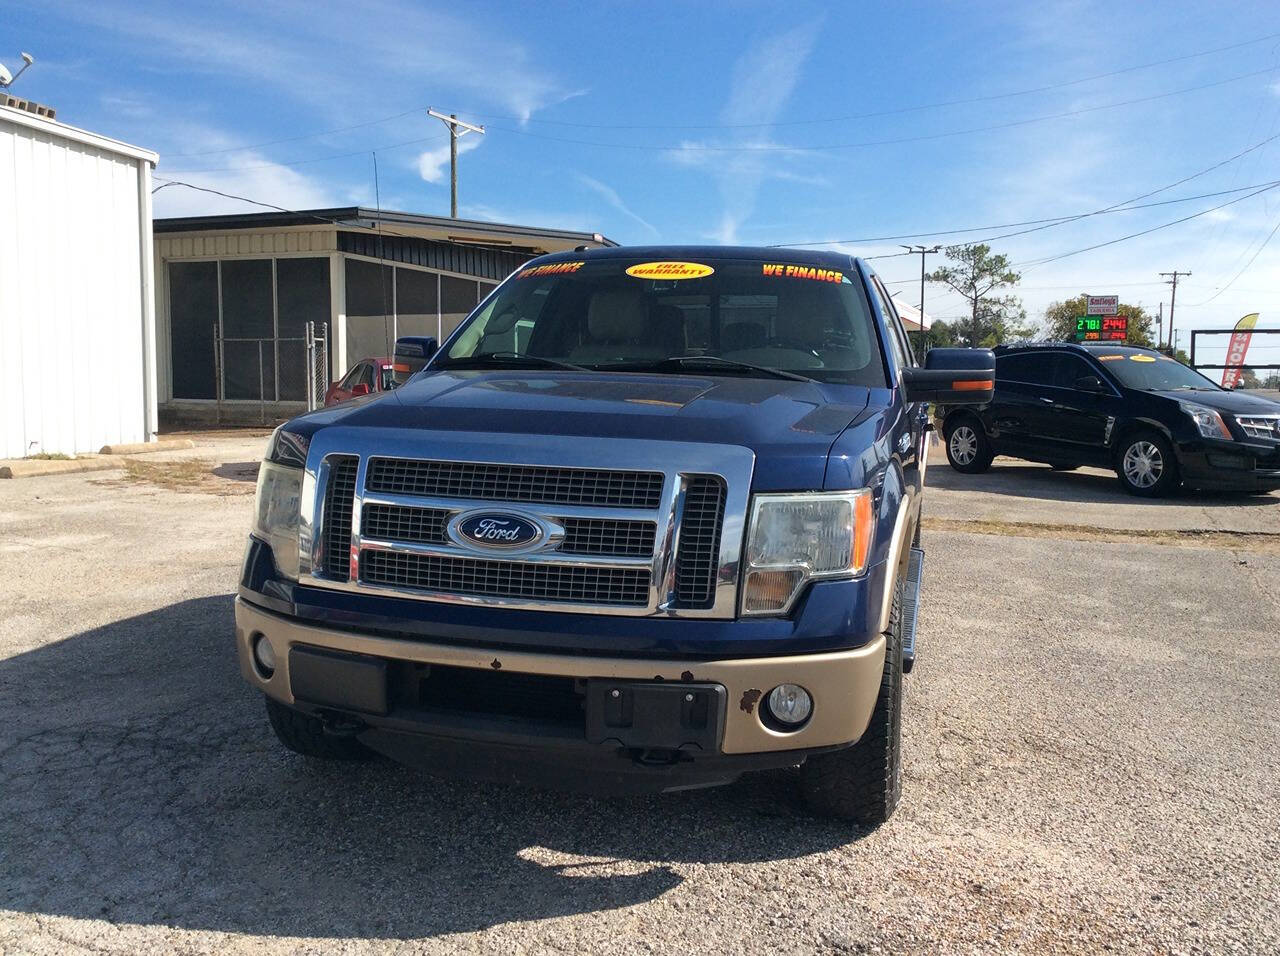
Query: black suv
{"points": [[1155, 421]]}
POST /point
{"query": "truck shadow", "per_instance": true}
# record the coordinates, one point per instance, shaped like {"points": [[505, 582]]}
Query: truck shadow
{"points": [[143, 785], [1030, 480]]}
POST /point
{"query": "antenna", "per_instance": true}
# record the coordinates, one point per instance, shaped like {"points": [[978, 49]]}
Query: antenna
{"points": [[7, 80]]}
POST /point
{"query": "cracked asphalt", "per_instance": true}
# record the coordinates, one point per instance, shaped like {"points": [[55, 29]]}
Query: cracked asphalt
{"points": [[1091, 762]]}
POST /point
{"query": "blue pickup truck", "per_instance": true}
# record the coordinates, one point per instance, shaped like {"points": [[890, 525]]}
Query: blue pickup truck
{"points": [[649, 519]]}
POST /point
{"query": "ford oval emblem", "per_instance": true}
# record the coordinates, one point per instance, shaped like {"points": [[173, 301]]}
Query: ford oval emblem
{"points": [[497, 529]]}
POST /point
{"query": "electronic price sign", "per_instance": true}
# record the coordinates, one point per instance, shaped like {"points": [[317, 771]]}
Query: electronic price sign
{"points": [[1102, 328]]}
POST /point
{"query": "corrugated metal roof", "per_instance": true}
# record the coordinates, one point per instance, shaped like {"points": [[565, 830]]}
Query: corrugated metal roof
{"points": [[51, 127], [457, 230]]}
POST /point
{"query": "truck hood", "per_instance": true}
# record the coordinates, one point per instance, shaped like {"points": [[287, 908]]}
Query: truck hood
{"points": [[789, 425], [1233, 403]]}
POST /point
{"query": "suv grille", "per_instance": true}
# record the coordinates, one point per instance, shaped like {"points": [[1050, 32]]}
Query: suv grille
{"points": [[571, 486], [338, 498], [518, 579], [698, 556], [1260, 426]]}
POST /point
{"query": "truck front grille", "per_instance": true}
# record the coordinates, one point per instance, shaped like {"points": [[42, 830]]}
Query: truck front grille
{"points": [[698, 555], [522, 483], [606, 536], [394, 523], [338, 499], [528, 580]]}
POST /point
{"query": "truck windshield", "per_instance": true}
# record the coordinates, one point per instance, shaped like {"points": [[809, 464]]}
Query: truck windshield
{"points": [[1154, 372], [717, 317]]}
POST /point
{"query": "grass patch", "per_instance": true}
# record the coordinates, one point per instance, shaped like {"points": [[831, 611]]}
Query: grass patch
{"points": [[50, 456], [1265, 541], [192, 474]]}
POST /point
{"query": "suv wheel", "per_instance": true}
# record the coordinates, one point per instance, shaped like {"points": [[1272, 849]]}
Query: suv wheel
{"points": [[863, 783], [304, 734], [1146, 465], [968, 449]]}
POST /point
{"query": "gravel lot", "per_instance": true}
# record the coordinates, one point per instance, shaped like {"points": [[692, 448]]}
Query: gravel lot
{"points": [[1091, 741]]}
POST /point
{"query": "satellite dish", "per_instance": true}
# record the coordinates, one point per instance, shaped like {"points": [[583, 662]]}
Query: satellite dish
{"points": [[5, 76]]}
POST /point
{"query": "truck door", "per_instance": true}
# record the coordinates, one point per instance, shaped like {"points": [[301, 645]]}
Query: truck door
{"points": [[910, 441]]}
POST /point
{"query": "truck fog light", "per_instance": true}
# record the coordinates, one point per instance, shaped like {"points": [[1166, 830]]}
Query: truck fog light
{"points": [[790, 705], [264, 656]]}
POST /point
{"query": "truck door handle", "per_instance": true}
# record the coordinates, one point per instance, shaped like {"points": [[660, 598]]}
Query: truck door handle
{"points": [[1047, 401]]}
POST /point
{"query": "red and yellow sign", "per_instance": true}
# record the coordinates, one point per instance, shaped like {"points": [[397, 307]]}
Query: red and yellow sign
{"points": [[550, 269], [1236, 349], [669, 270], [782, 270]]}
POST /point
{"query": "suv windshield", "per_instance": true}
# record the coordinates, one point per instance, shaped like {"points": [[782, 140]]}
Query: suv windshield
{"points": [[1153, 372], [718, 317]]}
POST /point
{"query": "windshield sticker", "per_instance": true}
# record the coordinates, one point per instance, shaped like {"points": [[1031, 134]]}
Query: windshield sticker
{"points": [[802, 272], [669, 270], [1110, 358], [1141, 358], [550, 269]]}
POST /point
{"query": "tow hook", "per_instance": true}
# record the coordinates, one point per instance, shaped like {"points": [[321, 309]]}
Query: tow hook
{"points": [[341, 725]]}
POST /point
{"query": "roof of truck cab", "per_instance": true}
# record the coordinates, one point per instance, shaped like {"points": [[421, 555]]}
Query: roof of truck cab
{"points": [[815, 257]]}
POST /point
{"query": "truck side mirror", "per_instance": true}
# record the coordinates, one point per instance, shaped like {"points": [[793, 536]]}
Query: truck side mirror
{"points": [[412, 353], [952, 377]]}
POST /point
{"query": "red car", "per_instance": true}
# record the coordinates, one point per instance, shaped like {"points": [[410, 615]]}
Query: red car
{"points": [[366, 376]]}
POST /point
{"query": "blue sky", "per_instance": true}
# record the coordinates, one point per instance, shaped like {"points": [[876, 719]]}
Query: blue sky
{"points": [[699, 122]]}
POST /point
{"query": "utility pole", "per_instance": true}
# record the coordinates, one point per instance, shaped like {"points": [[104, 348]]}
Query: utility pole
{"points": [[1160, 327], [923, 251], [1173, 299], [452, 122]]}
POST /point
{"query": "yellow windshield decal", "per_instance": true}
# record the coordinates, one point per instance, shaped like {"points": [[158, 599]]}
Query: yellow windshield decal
{"points": [[669, 270], [550, 269], [802, 272], [1141, 358]]}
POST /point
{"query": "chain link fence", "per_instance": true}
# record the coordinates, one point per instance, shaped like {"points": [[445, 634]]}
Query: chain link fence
{"points": [[272, 370]]}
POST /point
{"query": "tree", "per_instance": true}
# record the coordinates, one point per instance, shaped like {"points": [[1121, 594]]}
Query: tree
{"points": [[1060, 321], [976, 274]]}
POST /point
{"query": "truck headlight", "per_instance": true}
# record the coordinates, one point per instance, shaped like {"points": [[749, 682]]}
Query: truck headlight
{"points": [[797, 538], [276, 513], [1208, 422]]}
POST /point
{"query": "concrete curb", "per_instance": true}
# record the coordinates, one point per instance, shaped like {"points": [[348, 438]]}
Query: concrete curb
{"points": [[34, 468], [142, 448]]}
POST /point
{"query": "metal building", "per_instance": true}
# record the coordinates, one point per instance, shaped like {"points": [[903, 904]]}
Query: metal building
{"points": [[77, 330], [239, 297]]}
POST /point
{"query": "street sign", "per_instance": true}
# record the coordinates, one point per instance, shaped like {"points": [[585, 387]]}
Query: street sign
{"points": [[1102, 304], [1102, 328]]}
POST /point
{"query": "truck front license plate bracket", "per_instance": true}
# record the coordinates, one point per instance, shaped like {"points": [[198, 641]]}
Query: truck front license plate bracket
{"points": [[652, 715]]}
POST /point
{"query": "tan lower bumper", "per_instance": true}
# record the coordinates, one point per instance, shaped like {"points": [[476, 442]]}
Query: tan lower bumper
{"points": [[843, 684]]}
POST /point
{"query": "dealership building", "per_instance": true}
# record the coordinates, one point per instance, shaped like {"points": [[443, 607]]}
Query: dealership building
{"points": [[239, 298]]}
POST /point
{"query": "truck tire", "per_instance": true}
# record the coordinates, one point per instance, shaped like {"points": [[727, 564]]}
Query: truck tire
{"points": [[968, 448], [863, 783], [1146, 466], [304, 734]]}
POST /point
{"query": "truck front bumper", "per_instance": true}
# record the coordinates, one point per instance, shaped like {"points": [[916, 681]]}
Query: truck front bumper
{"points": [[523, 716]]}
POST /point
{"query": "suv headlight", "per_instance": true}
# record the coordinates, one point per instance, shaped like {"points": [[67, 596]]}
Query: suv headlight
{"points": [[797, 538], [1208, 421], [277, 507]]}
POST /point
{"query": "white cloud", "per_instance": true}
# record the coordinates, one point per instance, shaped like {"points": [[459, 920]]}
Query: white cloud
{"points": [[433, 165], [611, 196], [762, 81]]}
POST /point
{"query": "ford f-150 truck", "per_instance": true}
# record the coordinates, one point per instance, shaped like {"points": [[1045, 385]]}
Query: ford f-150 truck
{"points": [[648, 519]]}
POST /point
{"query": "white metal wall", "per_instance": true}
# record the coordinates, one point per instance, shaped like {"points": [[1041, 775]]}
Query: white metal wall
{"points": [[77, 332]]}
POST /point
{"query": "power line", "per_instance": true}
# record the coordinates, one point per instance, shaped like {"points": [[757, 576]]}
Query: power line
{"points": [[780, 147], [1242, 271], [802, 122], [889, 112], [1051, 221], [1133, 235], [302, 162]]}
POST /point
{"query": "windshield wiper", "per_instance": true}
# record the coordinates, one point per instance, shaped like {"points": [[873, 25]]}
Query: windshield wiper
{"points": [[509, 360], [677, 362]]}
